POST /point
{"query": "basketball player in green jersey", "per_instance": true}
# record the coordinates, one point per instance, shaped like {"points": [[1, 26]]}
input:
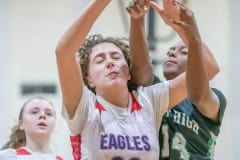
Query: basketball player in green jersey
{"points": [[189, 130]]}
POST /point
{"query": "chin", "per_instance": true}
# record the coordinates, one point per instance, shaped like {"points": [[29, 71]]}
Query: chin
{"points": [[169, 75]]}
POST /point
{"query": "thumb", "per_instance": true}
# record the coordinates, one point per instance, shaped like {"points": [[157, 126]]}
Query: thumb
{"points": [[155, 6]]}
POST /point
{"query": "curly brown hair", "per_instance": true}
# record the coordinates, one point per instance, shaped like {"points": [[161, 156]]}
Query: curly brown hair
{"points": [[92, 41]]}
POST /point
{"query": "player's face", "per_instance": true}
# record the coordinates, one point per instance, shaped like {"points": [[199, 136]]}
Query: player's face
{"points": [[107, 67], [176, 61], [38, 118]]}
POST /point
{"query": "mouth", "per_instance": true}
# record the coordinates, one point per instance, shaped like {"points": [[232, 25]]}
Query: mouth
{"points": [[42, 124], [170, 62], [112, 73]]}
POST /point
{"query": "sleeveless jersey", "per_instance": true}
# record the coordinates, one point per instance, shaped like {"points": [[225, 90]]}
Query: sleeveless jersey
{"points": [[25, 154], [186, 134], [102, 131]]}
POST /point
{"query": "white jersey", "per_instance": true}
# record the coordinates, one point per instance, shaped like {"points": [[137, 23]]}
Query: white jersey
{"points": [[25, 154], [102, 131]]}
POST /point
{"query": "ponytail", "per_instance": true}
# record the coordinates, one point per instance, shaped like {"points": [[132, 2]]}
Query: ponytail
{"points": [[17, 138]]}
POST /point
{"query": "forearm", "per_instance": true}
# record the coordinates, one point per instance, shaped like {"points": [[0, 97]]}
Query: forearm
{"points": [[209, 59], [196, 73], [141, 70], [199, 91], [70, 73], [77, 32]]}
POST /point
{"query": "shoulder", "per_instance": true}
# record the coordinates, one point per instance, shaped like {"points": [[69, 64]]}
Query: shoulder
{"points": [[221, 98], [220, 95], [222, 103], [155, 93], [8, 153], [158, 87]]}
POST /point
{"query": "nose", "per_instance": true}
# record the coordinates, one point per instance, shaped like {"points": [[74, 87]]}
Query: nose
{"points": [[110, 64], [42, 115], [172, 53]]}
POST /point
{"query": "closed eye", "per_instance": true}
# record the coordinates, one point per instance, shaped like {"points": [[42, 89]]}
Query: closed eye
{"points": [[184, 52], [99, 60], [116, 55]]}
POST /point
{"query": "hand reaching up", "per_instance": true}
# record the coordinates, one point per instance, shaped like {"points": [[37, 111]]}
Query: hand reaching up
{"points": [[138, 8], [187, 21], [179, 17], [169, 12]]}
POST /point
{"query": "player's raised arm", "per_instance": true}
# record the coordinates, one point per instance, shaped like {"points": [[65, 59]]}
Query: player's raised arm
{"points": [[200, 68], [70, 74], [141, 69]]}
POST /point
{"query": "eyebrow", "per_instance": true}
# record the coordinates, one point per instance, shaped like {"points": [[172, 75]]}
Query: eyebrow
{"points": [[172, 48], [183, 47], [38, 108]]}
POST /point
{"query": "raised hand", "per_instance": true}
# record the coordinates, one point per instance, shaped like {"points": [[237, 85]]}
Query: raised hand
{"points": [[177, 16], [169, 12], [138, 8], [187, 21]]}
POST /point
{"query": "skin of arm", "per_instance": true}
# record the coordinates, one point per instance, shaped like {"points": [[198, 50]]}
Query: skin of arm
{"points": [[143, 74], [199, 91], [69, 70], [178, 90], [197, 76], [170, 13], [178, 85], [141, 69]]}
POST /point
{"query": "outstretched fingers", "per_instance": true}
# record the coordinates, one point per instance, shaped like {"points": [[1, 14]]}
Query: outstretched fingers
{"points": [[137, 8], [184, 10], [155, 6], [180, 23]]}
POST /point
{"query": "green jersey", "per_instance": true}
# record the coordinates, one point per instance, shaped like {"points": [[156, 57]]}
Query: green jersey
{"points": [[186, 134]]}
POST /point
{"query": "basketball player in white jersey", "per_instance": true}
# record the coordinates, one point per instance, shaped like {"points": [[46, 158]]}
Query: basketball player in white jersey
{"points": [[106, 121], [31, 137]]}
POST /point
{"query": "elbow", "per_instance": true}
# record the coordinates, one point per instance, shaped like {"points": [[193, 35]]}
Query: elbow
{"points": [[58, 50], [215, 70], [195, 99], [142, 76], [62, 47], [198, 98], [195, 95], [147, 78]]}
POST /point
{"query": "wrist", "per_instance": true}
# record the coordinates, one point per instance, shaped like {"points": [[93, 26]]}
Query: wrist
{"points": [[137, 20]]}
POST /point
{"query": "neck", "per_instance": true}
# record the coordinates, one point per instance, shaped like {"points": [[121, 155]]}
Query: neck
{"points": [[38, 144], [117, 96]]}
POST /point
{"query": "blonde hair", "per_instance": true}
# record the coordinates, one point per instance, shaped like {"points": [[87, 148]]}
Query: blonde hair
{"points": [[18, 136]]}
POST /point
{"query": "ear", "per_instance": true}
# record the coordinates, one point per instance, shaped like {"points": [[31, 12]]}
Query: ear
{"points": [[90, 82], [129, 75], [21, 125]]}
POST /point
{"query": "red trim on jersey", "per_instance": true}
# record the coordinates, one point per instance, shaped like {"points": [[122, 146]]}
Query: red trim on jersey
{"points": [[76, 146], [22, 151], [59, 158], [99, 107], [135, 105]]}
